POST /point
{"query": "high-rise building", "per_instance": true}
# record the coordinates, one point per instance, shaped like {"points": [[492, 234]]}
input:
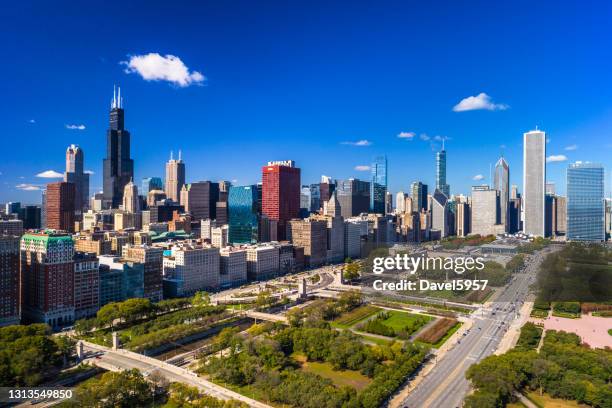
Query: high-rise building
{"points": [[189, 268], [118, 166], [463, 219], [200, 199], [60, 206], [131, 203], [11, 227], [12, 208], [152, 259], [10, 311], [47, 278], [440, 217], [326, 188], [514, 194], [441, 172], [378, 185], [400, 203], [243, 215], [388, 202], [585, 202], [304, 201], [175, 177], [355, 233], [150, 184], [86, 285], [486, 211], [501, 183], [281, 193], [233, 266], [263, 261], [335, 229], [534, 180], [315, 197], [311, 234], [218, 236], [75, 174], [419, 196], [561, 215], [120, 279], [31, 216], [353, 196], [550, 188]]}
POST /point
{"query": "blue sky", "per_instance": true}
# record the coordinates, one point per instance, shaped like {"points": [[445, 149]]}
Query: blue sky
{"points": [[305, 81]]}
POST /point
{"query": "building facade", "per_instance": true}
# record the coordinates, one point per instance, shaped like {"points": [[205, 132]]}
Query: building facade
{"points": [[60, 206], [243, 214], [585, 202], [175, 178], [75, 174], [281, 193], [10, 305], [534, 183], [378, 185], [86, 285]]}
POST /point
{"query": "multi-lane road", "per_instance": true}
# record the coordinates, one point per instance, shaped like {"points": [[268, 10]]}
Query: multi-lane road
{"points": [[445, 386]]}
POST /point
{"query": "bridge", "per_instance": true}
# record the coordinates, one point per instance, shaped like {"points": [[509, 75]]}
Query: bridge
{"points": [[266, 316], [119, 360]]}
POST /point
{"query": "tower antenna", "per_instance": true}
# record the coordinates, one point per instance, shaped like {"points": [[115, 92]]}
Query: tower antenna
{"points": [[179, 154], [171, 155]]}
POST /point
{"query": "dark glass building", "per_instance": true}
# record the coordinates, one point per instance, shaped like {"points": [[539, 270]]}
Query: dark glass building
{"points": [[378, 186], [242, 210], [118, 166], [353, 196]]}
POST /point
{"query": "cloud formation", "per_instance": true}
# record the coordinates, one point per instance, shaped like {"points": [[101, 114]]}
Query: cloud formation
{"points": [[31, 121], [571, 147], [361, 143], [27, 187], [50, 174], [406, 135], [75, 127], [482, 101], [556, 158], [90, 172], [170, 68], [478, 177], [424, 137], [362, 168]]}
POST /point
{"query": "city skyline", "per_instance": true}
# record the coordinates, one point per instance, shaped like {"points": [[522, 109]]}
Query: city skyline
{"points": [[328, 127]]}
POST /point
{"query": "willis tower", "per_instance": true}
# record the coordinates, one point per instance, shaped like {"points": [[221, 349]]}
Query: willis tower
{"points": [[118, 166]]}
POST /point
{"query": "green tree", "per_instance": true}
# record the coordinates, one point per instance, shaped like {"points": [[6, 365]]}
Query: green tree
{"points": [[200, 299]]}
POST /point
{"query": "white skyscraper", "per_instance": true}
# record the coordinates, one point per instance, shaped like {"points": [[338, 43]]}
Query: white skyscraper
{"points": [[534, 182]]}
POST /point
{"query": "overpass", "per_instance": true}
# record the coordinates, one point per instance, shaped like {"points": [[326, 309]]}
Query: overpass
{"points": [[119, 360], [266, 316]]}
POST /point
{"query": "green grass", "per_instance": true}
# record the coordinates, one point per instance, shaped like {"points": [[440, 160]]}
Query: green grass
{"points": [[350, 378], [546, 401], [610, 332], [539, 313], [398, 320], [354, 316], [566, 315]]}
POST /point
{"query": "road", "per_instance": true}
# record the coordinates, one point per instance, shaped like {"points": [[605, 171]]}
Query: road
{"points": [[446, 386]]}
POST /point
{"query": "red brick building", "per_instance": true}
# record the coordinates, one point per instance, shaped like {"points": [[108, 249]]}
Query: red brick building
{"points": [[60, 206]]}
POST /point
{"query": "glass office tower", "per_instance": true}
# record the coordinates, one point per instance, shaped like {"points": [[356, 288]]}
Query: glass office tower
{"points": [[585, 202], [378, 186], [242, 210]]}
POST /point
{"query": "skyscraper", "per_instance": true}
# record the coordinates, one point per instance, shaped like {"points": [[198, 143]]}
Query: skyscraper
{"points": [[441, 172], [534, 180], [501, 183], [200, 200], [281, 193], [175, 177], [118, 166], [150, 184], [419, 196], [130, 198], [9, 280], [585, 202], [486, 211], [243, 219], [75, 174], [353, 196], [378, 185], [60, 206]]}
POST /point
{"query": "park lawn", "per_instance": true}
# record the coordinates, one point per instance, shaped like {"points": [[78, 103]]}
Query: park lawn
{"points": [[539, 313], [517, 404], [566, 315], [350, 378], [353, 317], [546, 401], [398, 320]]}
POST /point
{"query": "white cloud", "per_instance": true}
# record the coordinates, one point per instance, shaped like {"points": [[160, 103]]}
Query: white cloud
{"points": [[571, 147], [75, 127], [362, 168], [89, 172], [363, 142], [424, 136], [548, 140], [406, 135], [556, 158], [50, 174], [27, 187], [482, 101], [478, 177], [502, 146], [154, 67], [31, 121]]}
